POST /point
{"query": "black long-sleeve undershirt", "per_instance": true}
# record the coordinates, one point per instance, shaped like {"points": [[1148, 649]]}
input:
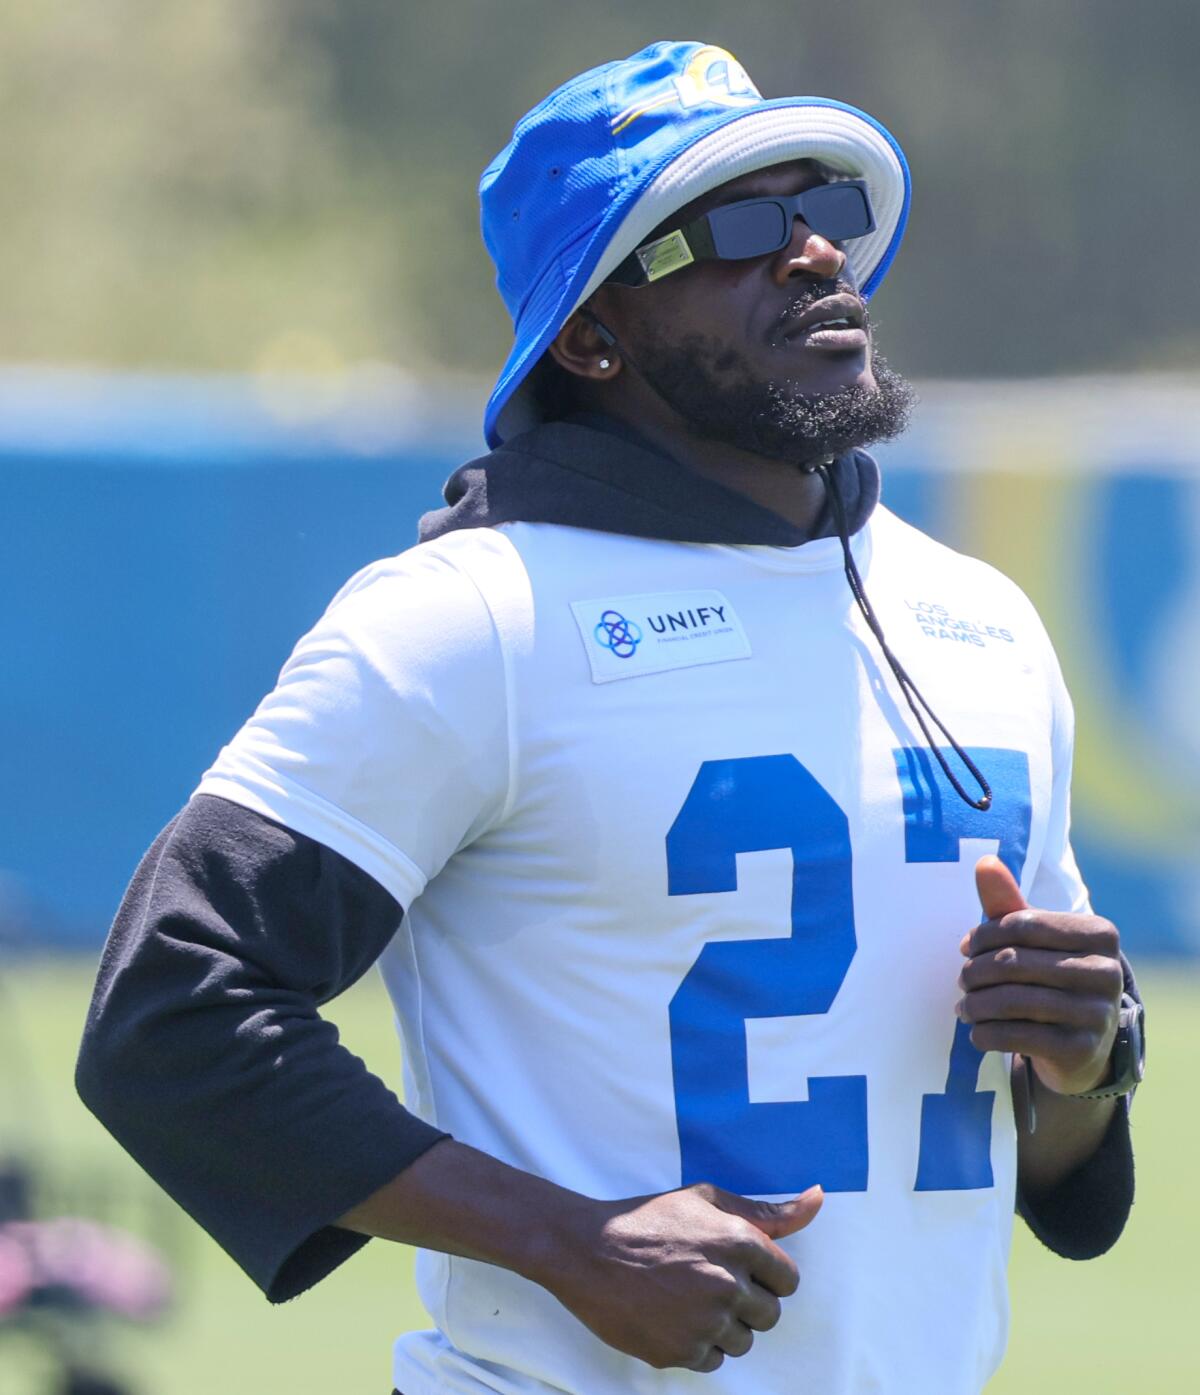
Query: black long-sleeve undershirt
{"points": [[204, 1053]]}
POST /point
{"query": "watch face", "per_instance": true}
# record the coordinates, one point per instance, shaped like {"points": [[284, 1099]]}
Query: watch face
{"points": [[1129, 1058], [1137, 1033]]}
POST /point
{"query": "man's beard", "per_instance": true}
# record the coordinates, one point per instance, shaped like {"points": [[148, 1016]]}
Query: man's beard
{"points": [[705, 382]]}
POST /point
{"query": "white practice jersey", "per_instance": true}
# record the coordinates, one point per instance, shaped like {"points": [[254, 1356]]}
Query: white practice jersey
{"points": [[685, 890]]}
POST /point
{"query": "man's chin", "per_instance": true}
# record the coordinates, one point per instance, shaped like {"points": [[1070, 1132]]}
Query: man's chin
{"points": [[796, 424]]}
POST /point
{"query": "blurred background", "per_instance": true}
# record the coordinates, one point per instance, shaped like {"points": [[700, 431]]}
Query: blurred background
{"points": [[246, 328]]}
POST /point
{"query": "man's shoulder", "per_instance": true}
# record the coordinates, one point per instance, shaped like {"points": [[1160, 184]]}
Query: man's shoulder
{"points": [[455, 570], [934, 578], [451, 601], [912, 546]]}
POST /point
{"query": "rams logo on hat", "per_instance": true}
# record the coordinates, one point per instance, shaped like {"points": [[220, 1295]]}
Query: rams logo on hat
{"points": [[711, 75]]}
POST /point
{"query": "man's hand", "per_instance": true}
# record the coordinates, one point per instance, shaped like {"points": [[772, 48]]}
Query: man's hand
{"points": [[1045, 984], [684, 1278]]}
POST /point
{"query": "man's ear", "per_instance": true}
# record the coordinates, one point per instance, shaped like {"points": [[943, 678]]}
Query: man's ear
{"points": [[582, 348]]}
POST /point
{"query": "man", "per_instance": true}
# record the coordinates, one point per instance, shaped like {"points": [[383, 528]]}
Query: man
{"points": [[623, 778]]}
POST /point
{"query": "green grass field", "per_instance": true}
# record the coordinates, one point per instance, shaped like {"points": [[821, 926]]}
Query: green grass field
{"points": [[1128, 1324]]}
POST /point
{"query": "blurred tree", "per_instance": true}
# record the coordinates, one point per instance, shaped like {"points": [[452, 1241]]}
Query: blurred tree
{"points": [[171, 192], [201, 184]]}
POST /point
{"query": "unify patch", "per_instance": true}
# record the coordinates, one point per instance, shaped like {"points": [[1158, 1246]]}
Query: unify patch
{"points": [[627, 636]]}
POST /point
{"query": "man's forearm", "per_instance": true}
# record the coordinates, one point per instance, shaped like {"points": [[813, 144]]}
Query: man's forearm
{"points": [[680, 1278], [1068, 1133], [463, 1202]]}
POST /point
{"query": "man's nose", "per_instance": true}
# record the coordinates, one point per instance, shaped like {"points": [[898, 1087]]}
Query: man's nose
{"points": [[808, 254]]}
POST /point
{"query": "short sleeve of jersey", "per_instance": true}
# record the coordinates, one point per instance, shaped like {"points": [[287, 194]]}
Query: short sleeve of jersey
{"points": [[386, 736], [1057, 884]]}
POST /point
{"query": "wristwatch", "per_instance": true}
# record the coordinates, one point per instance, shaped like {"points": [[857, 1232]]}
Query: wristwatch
{"points": [[1128, 1054], [1128, 1062]]}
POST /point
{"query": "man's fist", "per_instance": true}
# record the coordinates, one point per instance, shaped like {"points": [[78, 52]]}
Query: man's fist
{"points": [[683, 1278], [1042, 983]]}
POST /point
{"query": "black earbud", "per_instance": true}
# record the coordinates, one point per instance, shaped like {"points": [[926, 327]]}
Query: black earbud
{"points": [[606, 335]]}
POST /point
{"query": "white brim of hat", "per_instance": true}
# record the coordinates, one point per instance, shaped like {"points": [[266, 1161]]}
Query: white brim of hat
{"points": [[772, 133]]}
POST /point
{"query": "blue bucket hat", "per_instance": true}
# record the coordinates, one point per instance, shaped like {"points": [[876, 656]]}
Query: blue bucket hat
{"points": [[605, 158]]}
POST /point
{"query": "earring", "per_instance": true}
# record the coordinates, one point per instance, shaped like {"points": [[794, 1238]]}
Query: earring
{"points": [[604, 363]]}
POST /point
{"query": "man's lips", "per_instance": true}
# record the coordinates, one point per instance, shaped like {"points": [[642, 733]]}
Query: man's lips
{"points": [[835, 322]]}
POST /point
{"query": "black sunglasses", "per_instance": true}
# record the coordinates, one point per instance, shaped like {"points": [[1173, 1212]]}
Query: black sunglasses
{"points": [[751, 228]]}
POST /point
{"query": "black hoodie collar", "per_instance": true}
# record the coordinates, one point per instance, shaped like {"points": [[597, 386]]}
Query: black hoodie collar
{"points": [[592, 472]]}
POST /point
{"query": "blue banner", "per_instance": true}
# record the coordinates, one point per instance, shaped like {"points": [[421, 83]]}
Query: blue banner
{"points": [[166, 541]]}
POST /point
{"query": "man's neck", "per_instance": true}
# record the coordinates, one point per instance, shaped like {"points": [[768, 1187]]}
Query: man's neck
{"points": [[795, 494]]}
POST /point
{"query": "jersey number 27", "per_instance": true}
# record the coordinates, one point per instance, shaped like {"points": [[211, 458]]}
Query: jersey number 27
{"points": [[763, 802]]}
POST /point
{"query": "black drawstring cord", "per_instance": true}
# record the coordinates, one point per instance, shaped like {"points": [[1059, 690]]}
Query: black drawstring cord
{"points": [[907, 686]]}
